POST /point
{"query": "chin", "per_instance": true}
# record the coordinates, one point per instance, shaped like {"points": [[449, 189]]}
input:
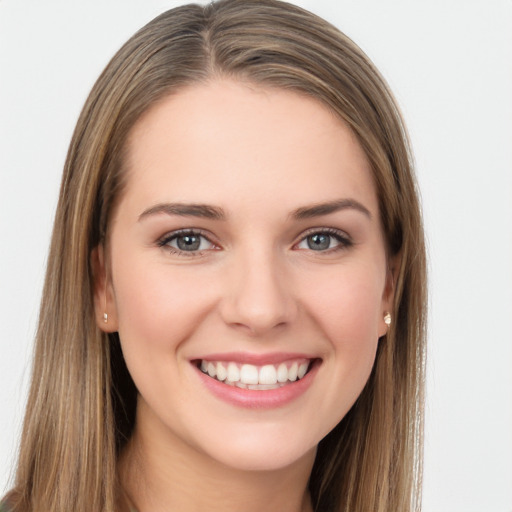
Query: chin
{"points": [[253, 452], [269, 461]]}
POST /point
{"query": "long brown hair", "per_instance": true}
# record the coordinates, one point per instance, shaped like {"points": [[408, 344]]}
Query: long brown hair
{"points": [[81, 406]]}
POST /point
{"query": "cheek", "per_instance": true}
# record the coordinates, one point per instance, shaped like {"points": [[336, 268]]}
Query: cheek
{"points": [[348, 301], [156, 307], [347, 309]]}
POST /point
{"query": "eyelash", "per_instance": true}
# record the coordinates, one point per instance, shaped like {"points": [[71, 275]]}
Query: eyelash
{"points": [[344, 241], [169, 237]]}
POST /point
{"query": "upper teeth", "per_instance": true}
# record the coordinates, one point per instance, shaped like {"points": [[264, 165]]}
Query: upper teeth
{"points": [[269, 374]]}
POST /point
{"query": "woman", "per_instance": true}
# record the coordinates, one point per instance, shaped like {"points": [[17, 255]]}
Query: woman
{"points": [[233, 313]]}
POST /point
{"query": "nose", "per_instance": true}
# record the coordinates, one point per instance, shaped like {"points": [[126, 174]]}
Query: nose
{"points": [[259, 297]]}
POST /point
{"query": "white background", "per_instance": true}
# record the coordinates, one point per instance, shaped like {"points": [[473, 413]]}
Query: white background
{"points": [[449, 63]]}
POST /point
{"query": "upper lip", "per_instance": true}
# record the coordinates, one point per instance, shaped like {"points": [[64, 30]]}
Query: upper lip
{"points": [[254, 359]]}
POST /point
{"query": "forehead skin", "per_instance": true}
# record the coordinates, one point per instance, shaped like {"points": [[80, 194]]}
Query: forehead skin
{"points": [[227, 156]]}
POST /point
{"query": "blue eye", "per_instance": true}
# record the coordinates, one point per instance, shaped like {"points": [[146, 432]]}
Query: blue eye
{"points": [[186, 241], [325, 240], [319, 241]]}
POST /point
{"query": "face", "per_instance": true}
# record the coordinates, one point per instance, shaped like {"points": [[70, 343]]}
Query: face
{"points": [[247, 273]]}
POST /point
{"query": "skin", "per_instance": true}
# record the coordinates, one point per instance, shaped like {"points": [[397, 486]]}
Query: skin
{"points": [[255, 287]]}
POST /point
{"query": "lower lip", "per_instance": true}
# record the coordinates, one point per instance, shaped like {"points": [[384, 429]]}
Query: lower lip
{"points": [[256, 398]]}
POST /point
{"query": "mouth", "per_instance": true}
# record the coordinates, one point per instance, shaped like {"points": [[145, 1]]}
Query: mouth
{"points": [[256, 377]]}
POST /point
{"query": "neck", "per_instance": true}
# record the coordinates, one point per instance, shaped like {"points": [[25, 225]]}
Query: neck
{"points": [[159, 473]]}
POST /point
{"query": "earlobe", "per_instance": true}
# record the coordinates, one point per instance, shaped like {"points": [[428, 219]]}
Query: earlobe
{"points": [[388, 296], [104, 304]]}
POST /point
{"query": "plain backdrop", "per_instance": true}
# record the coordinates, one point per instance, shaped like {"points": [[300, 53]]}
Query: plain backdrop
{"points": [[449, 63]]}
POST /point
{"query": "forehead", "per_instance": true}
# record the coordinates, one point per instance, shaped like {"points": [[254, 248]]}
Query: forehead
{"points": [[226, 140]]}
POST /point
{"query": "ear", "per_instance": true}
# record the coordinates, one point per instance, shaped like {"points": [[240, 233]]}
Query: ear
{"points": [[388, 296], [104, 302]]}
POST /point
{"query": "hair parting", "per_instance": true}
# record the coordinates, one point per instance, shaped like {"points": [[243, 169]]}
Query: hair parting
{"points": [[81, 405]]}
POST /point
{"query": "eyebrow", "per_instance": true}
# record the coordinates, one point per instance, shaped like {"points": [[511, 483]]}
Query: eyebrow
{"points": [[204, 211], [207, 211], [317, 210]]}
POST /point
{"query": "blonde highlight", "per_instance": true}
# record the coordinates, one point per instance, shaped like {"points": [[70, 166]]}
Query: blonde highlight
{"points": [[81, 405]]}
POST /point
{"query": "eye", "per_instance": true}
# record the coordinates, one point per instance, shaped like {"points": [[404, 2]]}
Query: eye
{"points": [[186, 241], [324, 240]]}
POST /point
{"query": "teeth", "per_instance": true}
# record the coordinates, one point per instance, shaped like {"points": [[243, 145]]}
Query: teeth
{"points": [[249, 376], [233, 373], [268, 374], [303, 368], [263, 387], [282, 373], [292, 372], [222, 372]]}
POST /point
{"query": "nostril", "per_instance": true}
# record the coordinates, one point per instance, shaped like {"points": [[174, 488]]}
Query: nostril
{"points": [[256, 329]]}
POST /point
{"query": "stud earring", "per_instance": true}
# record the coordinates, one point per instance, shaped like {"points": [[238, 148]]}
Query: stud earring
{"points": [[387, 319], [105, 315]]}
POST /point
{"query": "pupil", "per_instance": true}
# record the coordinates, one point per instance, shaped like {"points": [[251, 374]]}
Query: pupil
{"points": [[188, 242], [319, 242]]}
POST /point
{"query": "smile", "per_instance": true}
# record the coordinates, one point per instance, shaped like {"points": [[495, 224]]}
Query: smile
{"points": [[249, 376]]}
